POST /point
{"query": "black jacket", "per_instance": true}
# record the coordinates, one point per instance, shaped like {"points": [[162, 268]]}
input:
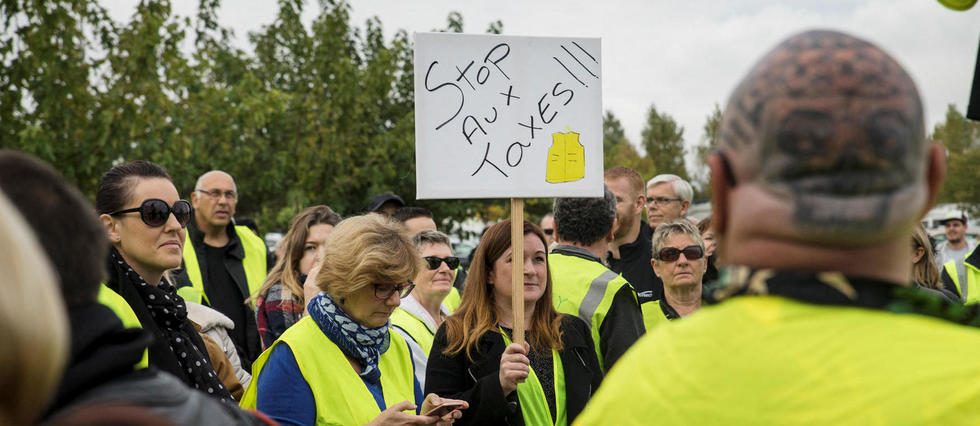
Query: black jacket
{"points": [[160, 353], [634, 265], [100, 370], [478, 383], [235, 253]]}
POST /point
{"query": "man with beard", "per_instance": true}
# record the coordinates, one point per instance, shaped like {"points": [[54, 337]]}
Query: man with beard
{"points": [[630, 253]]}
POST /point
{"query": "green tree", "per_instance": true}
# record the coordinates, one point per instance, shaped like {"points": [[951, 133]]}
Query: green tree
{"points": [[319, 114], [961, 137], [618, 151], [709, 141], [663, 140]]}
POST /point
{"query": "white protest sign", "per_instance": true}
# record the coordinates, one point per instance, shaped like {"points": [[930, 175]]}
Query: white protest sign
{"points": [[507, 117]]}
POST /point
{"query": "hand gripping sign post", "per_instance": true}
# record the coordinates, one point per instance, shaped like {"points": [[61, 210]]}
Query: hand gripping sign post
{"points": [[508, 117]]}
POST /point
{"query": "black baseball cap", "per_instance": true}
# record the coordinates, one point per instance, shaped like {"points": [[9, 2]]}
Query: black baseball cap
{"points": [[379, 200]]}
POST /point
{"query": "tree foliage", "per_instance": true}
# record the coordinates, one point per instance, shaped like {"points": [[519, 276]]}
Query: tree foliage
{"points": [[618, 151], [961, 137], [708, 143], [318, 114], [663, 140]]}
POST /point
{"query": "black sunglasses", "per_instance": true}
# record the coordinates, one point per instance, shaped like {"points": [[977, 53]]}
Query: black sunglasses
{"points": [[433, 262], [548, 231], [670, 254], [155, 212]]}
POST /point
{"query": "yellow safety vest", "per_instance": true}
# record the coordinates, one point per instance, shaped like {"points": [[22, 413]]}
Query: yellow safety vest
{"points": [[768, 360], [972, 279], [254, 264], [415, 327], [114, 301], [653, 316], [534, 403], [452, 300], [584, 288], [340, 395]]}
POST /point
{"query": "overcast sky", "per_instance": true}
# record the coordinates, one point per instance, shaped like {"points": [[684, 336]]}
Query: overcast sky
{"points": [[682, 56]]}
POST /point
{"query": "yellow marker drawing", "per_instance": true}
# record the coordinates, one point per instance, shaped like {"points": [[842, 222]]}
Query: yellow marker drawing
{"points": [[566, 158]]}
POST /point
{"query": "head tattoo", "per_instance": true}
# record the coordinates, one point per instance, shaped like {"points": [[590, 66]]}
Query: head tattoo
{"points": [[833, 126]]}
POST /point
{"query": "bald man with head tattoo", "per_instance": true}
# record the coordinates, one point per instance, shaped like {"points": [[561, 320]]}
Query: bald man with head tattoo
{"points": [[822, 170]]}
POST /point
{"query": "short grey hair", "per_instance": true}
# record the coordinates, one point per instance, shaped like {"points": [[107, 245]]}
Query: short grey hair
{"points": [[585, 220], [431, 236], [682, 188], [674, 227]]}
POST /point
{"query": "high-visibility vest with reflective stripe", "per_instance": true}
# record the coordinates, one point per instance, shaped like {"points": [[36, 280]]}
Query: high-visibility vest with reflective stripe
{"points": [[253, 263], [653, 316], [121, 308], [340, 395], [415, 327], [534, 403], [584, 288], [972, 280], [452, 300]]}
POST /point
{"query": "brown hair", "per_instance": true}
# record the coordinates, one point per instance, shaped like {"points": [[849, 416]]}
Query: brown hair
{"points": [[287, 268], [704, 225], [925, 271], [476, 315], [631, 176], [364, 250]]}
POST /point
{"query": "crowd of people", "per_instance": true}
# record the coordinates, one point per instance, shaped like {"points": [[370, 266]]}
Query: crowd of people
{"points": [[811, 295]]}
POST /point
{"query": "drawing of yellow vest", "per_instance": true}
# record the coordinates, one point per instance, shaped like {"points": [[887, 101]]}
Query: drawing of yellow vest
{"points": [[566, 158]]}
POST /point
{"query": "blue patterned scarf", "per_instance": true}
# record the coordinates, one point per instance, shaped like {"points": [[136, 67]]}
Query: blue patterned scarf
{"points": [[355, 340]]}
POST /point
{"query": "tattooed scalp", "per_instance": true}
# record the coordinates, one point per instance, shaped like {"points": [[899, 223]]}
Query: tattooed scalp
{"points": [[832, 125]]}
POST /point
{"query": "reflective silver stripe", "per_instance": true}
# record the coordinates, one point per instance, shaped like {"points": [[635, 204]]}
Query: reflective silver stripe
{"points": [[597, 289]]}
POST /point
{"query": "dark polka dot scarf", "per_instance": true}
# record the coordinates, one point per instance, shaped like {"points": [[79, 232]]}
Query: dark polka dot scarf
{"points": [[169, 313]]}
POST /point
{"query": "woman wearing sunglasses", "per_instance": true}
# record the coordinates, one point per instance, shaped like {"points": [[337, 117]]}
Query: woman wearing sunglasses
{"points": [[279, 302], [548, 380], [423, 311], [340, 364], [145, 219], [679, 261]]}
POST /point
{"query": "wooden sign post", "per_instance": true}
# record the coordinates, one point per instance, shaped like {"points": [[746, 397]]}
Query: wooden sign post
{"points": [[517, 266], [508, 117]]}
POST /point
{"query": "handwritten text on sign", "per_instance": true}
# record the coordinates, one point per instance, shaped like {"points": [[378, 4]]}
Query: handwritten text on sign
{"points": [[507, 117]]}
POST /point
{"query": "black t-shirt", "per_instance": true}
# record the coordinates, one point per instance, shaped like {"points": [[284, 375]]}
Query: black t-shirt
{"points": [[634, 265], [224, 295]]}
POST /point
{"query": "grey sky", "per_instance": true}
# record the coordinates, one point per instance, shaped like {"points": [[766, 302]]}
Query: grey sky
{"points": [[683, 56]]}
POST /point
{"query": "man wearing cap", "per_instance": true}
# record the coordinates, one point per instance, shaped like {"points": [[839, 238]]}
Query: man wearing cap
{"points": [[822, 170], [956, 260], [385, 204]]}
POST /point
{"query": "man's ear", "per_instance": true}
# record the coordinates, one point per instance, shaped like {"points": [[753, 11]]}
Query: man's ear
{"points": [[640, 202], [656, 268], [720, 186], [611, 236], [194, 199], [111, 227], [684, 206]]}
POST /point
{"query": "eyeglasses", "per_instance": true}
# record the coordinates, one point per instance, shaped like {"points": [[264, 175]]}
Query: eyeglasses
{"points": [[155, 212], [656, 201], [217, 193], [433, 262], [670, 254], [548, 231], [384, 291]]}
